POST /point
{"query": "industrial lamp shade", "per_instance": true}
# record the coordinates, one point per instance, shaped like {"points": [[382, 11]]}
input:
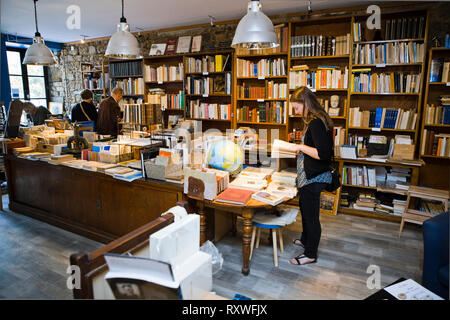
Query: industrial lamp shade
{"points": [[255, 30], [38, 53], [123, 44]]}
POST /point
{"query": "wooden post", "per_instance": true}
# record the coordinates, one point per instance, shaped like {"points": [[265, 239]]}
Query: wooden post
{"points": [[246, 239], [202, 213]]}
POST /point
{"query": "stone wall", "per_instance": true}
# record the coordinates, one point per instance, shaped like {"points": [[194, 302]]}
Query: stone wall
{"points": [[65, 78]]}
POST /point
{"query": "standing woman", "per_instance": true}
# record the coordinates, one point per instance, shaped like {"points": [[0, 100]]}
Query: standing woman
{"points": [[313, 169]]}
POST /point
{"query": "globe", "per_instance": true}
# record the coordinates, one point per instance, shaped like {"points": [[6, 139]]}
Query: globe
{"points": [[225, 155]]}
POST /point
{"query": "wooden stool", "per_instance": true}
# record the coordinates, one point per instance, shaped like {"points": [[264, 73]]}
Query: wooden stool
{"points": [[416, 216], [257, 228]]}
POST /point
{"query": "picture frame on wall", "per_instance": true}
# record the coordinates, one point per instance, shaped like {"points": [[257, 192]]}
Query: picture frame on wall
{"points": [[184, 44], [196, 44], [157, 49]]}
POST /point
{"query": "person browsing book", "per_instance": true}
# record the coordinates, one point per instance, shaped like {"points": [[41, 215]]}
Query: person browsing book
{"points": [[313, 169], [109, 114], [85, 110]]}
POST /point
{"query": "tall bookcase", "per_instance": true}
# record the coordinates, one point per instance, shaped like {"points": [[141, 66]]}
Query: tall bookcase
{"points": [[392, 50], [209, 88], [435, 123], [166, 73]]}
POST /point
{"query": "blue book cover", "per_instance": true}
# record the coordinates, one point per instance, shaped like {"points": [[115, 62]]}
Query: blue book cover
{"points": [[378, 115], [447, 114]]}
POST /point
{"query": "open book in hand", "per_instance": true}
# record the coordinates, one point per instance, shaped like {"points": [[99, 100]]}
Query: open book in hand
{"points": [[283, 149]]}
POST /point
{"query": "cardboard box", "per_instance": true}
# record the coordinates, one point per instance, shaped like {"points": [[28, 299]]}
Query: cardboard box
{"points": [[403, 152]]}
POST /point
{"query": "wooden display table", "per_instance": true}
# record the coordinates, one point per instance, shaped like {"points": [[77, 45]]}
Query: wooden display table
{"points": [[416, 216], [91, 204], [245, 211]]}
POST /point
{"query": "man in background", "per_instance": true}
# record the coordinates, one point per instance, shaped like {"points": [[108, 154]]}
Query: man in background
{"points": [[85, 110], [109, 114], [35, 114]]}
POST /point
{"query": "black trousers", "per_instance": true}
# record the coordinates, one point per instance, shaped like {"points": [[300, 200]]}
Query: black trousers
{"points": [[309, 201]]}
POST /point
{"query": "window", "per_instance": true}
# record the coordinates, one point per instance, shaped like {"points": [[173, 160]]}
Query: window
{"points": [[28, 82]]}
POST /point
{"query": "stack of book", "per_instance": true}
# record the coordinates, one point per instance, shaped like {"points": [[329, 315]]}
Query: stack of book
{"points": [[202, 110], [435, 144], [382, 117], [283, 183], [130, 86], [252, 179], [365, 202], [389, 53], [311, 45], [268, 112], [268, 197], [437, 114], [164, 73], [398, 178], [363, 80], [60, 159], [262, 68], [325, 77], [399, 206]]}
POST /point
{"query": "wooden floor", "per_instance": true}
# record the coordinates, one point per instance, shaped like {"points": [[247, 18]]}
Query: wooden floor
{"points": [[35, 257]]}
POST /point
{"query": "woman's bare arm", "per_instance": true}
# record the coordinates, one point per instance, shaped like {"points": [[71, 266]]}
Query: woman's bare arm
{"points": [[310, 151]]}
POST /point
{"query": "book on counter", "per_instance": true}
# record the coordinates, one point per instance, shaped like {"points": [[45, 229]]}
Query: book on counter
{"points": [[235, 196], [268, 197], [248, 183]]}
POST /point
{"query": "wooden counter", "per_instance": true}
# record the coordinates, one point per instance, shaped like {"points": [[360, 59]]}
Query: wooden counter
{"points": [[91, 204]]}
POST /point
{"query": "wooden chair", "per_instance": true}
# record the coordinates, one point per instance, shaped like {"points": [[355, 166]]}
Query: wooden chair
{"points": [[93, 266]]}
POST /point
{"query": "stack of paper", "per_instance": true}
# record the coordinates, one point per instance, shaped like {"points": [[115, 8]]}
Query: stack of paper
{"points": [[60, 159]]}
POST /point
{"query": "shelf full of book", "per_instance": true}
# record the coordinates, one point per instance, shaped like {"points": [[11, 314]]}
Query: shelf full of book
{"points": [[435, 129], [209, 88], [386, 81]]}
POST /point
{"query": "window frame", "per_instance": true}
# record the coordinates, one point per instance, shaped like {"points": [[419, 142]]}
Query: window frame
{"points": [[25, 77]]}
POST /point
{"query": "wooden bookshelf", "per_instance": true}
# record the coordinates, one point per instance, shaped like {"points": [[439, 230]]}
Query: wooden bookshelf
{"points": [[372, 100], [169, 87], [436, 173], [207, 71]]}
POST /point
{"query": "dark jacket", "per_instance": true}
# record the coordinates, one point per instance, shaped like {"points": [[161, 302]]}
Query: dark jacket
{"points": [[108, 117], [318, 137], [40, 116], [89, 109]]}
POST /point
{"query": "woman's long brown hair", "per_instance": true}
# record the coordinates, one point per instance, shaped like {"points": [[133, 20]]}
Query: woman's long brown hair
{"points": [[315, 109]]}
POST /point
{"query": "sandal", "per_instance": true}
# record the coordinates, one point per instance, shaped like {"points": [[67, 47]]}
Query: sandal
{"points": [[298, 242], [297, 258]]}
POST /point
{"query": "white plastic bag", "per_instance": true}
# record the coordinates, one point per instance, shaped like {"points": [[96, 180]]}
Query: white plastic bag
{"points": [[216, 257]]}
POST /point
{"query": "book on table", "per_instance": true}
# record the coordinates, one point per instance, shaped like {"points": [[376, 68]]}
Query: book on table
{"points": [[235, 196], [268, 197]]}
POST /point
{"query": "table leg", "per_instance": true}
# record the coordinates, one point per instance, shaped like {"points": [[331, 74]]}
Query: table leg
{"points": [[201, 212], [246, 239]]}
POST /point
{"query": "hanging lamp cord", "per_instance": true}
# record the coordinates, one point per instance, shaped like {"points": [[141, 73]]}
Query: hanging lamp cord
{"points": [[123, 19], [35, 19]]}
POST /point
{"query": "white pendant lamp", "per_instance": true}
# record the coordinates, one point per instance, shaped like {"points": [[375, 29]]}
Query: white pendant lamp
{"points": [[123, 44], [38, 53], [255, 30]]}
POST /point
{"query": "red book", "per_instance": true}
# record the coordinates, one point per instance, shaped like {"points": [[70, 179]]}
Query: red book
{"points": [[235, 196]]}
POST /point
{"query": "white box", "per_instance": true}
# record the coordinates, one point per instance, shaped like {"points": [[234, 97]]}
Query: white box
{"points": [[176, 242]]}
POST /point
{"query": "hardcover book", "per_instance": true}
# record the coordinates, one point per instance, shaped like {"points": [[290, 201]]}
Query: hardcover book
{"points": [[196, 44], [157, 49], [184, 44], [171, 46], [235, 196]]}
